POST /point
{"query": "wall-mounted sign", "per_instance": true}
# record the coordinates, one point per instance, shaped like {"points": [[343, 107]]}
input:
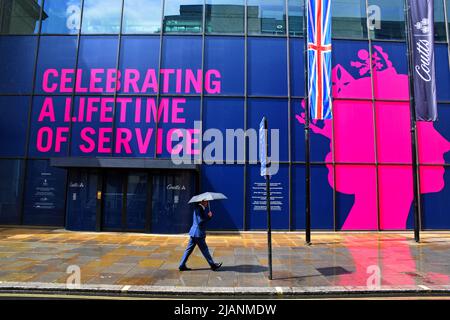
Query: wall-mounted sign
{"points": [[258, 197], [44, 193]]}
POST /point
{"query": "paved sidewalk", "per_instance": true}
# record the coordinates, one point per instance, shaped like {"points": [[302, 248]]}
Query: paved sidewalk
{"points": [[336, 263]]}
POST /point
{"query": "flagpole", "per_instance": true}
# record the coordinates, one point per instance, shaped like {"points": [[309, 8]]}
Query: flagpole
{"points": [[413, 121], [307, 133]]}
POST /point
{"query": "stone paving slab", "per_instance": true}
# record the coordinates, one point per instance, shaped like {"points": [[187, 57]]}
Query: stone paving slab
{"points": [[38, 259]]}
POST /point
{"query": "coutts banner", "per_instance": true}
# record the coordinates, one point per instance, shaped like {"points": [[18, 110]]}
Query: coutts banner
{"points": [[422, 43]]}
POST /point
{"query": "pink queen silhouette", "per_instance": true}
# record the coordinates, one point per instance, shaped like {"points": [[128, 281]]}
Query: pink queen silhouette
{"points": [[361, 136]]}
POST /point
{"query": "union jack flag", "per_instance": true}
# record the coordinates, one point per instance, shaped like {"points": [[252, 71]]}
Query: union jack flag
{"points": [[319, 58]]}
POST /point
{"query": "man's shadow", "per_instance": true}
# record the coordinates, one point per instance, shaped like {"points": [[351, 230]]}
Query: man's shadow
{"points": [[242, 268]]}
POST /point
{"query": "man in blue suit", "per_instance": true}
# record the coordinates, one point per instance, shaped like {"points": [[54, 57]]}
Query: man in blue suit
{"points": [[198, 237]]}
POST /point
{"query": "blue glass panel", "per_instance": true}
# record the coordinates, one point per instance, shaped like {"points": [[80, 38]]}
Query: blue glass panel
{"points": [[62, 16], [16, 70], [349, 19], [442, 73], [228, 179], [187, 112], [298, 197], [82, 201], [276, 112], [49, 133], [266, 16], [183, 16], [391, 16], [297, 131], [173, 58], [138, 54], [297, 66], [141, 16], [396, 53], [435, 202], [267, 67], [13, 125], [447, 4], [296, 11], [90, 135], [226, 55], [256, 199], [97, 53], [391, 67], [101, 16], [11, 184], [135, 126], [223, 114], [439, 21], [56, 53], [321, 199], [320, 135], [351, 70], [320, 138], [225, 16], [45, 194]]}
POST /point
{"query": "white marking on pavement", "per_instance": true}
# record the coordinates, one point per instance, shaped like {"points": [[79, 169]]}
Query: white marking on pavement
{"points": [[423, 287], [279, 290], [126, 288]]}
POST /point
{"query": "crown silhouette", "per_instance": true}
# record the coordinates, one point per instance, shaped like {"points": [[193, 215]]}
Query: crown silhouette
{"points": [[380, 61]]}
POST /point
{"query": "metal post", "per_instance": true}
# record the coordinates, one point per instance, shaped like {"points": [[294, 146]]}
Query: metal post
{"points": [[307, 141], [269, 220], [413, 126], [269, 226]]}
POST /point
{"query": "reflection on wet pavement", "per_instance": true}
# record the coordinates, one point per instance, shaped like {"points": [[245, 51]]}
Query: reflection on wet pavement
{"points": [[334, 259]]}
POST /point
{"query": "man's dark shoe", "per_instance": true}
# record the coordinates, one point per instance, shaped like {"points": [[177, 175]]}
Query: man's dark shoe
{"points": [[184, 268], [216, 266]]}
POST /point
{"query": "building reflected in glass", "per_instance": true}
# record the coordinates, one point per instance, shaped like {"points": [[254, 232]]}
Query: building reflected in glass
{"points": [[20, 16]]}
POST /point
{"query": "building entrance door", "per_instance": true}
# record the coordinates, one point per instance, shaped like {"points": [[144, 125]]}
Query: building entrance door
{"points": [[124, 201], [171, 192], [82, 202], [121, 200]]}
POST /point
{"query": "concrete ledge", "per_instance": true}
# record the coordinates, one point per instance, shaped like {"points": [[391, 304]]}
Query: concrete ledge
{"points": [[205, 292]]}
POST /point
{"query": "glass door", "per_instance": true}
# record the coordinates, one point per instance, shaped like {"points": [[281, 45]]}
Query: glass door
{"points": [[125, 200], [113, 202], [136, 200], [130, 200], [171, 192], [82, 200]]}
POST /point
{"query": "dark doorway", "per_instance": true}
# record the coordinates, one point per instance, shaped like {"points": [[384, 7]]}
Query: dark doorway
{"points": [[130, 200], [170, 195], [81, 201], [124, 200]]}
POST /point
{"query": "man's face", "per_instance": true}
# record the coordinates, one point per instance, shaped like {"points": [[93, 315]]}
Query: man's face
{"points": [[204, 203]]}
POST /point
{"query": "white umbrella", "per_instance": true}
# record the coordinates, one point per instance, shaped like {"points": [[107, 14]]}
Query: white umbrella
{"points": [[207, 196]]}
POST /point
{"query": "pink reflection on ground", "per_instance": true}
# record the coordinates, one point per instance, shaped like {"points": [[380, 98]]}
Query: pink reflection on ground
{"points": [[355, 143], [395, 261]]}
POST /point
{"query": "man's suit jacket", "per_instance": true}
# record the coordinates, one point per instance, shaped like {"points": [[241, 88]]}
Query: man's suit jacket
{"points": [[200, 218]]}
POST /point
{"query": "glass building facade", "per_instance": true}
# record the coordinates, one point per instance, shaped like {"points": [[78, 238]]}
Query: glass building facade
{"points": [[90, 91]]}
